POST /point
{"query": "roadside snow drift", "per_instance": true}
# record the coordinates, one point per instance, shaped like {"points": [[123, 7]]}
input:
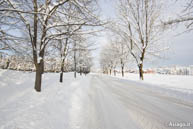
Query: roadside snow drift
{"points": [[23, 108]]}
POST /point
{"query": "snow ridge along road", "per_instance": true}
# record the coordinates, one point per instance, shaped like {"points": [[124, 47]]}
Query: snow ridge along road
{"points": [[91, 102]]}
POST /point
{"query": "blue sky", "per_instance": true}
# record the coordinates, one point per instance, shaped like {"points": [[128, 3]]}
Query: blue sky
{"points": [[181, 46]]}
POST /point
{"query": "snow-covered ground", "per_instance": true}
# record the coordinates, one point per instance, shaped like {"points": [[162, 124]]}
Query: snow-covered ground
{"points": [[93, 102], [175, 81], [23, 108], [180, 86]]}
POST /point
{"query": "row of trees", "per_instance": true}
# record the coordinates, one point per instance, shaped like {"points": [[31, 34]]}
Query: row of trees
{"points": [[139, 33], [40, 28], [113, 56], [51, 64], [16, 63]]}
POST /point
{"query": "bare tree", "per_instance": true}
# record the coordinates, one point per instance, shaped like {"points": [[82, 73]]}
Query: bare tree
{"points": [[108, 58], [139, 28], [114, 55], [123, 55]]}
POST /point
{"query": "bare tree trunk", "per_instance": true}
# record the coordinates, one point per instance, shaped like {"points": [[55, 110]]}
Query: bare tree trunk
{"points": [[75, 73], [122, 68], [39, 65], [75, 59], [110, 71], [122, 71], [62, 71], [63, 56], [81, 71], [74, 64], [61, 74], [141, 71], [38, 79], [75, 67]]}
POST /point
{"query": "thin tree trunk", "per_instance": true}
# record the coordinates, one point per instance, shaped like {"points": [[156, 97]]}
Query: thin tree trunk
{"points": [[74, 64], [80, 71], [141, 71], [61, 74], [62, 71], [74, 59], [122, 68], [122, 71], [110, 71], [75, 74]]}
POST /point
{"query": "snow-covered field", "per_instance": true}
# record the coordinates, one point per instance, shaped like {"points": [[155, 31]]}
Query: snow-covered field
{"points": [[94, 101]]}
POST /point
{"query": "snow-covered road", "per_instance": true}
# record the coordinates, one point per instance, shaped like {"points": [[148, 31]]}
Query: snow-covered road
{"points": [[122, 105], [92, 102]]}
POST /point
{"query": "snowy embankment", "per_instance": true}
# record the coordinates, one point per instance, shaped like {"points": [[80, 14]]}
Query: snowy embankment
{"points": [[179, 86], [23, 108]]}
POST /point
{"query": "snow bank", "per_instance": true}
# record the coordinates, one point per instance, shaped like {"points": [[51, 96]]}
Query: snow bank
{"points": [[23, 108], [173, 85], [175, 81]]}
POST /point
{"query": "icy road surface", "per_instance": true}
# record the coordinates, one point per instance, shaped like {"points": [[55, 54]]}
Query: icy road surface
{"points": [[91, 102], [121, 105]]}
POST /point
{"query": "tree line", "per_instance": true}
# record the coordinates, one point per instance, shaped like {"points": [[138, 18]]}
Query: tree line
{"points": [[60, 29], [41, 28]]}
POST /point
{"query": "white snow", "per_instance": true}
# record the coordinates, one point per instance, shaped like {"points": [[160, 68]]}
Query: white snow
{"points": [[92, 102], [23, 108], [180, 86], [39, 59], [171, 81]]}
